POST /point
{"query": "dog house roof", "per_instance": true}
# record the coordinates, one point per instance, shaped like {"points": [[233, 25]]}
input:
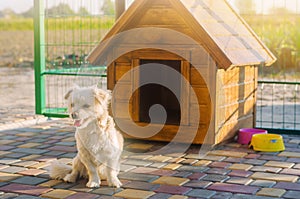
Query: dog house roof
{"points": [[218, 28]]}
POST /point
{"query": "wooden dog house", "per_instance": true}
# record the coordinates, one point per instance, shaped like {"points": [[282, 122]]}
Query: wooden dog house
{"points": [[208, 43]]}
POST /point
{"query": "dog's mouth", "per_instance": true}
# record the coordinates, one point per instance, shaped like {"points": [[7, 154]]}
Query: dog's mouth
{"points": [[77, 123]]}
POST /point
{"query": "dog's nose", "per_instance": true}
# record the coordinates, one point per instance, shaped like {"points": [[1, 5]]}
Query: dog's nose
{"points": [[74, 115]]}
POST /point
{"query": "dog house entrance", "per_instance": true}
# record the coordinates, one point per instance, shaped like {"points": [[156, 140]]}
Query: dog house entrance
{"points": [[151, 94]]}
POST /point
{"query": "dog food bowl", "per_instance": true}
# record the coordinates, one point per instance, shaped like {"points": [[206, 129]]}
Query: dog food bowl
{"points": [[267, 143], [245, 134]]}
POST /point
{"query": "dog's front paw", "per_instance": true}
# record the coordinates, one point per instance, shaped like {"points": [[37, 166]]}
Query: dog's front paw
{"points": [[92, 184], [69, 178], [115, 183]]}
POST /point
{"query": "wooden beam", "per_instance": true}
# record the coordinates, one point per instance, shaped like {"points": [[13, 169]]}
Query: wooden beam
{"points": [[120, 8]]}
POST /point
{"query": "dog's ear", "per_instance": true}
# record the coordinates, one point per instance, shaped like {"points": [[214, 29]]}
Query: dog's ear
{"points": [[102, 96], [67, 95]]}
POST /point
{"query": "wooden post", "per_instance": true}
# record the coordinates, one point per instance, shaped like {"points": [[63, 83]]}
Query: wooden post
{"points": [[120, 8]]}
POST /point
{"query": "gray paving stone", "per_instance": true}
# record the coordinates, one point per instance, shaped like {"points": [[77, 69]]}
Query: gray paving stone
{"points": [[138, 177], [138, 162], [30, 151], [30, 180], [201, 193], [109, 191], [255, 162], [263, 183], [222, 195], [15, 155], [245, 196], [9, 160], [160, 196], [215, 178], [194, 169], [13, 169], [292, 194]]}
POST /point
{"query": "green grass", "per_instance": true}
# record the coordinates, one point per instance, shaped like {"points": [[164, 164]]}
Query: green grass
{"points": [[70, 23], [16, 24]]}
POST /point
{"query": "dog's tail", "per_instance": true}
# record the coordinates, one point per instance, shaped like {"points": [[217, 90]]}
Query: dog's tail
{"points": [[59, 170]]}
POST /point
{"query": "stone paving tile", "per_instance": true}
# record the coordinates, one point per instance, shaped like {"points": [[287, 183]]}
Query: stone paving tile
{"points": [[233, 188], [32, 172], [288, 186], [138, 177], [201, 193], [274, 177], [83, 196], [25, 189], [159, 158], [215, 178], [160, 196], [218, 171], [50, 183], [291, 172], [222, 195], [266, 169], [141, 185], [292, 194], [58, 193], [172, 166], [7, 177], [13, 169], [202, 163], [245, 167], [198, 169], [138, 162], [222, 165], [263, 183], [228, 153], [240, 173], [109, 191], [30, 151], [170, 189], [170, 180], [178, 197], [271, 192], [293, 160], [29, 180], [255, 162], [279, 164], [272, 158], [197, 176], [247, 196], [198, 184], [238, 180], [290, 154], [133, 193]]}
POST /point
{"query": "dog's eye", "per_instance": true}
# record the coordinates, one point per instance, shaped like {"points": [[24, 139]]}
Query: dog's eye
{"points": [[86, 106]]}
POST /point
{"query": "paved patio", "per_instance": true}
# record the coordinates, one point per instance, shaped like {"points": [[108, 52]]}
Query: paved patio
{"points": [[229, 171]]}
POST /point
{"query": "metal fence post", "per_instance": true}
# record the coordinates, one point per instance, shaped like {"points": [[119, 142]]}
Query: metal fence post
{"points": [[39, 55]]}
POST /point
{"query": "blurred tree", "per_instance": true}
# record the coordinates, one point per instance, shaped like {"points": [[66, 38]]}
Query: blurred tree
{"points": [[280, 11], [83, 11], [108, 7], [245, 7], [59, 10], [8, 13], [28, 13]]}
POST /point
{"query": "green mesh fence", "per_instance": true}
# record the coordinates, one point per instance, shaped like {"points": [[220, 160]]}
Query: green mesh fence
{"points": [[65, 32]]}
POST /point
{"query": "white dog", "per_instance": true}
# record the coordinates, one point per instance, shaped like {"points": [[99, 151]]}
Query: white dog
{"points": [[99, 144]]}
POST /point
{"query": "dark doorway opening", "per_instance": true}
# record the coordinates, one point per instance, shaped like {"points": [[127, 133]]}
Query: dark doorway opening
{"points": [[151, 94]]}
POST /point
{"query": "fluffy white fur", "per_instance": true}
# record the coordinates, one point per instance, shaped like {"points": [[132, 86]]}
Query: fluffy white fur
{"points": [[98, 142]]}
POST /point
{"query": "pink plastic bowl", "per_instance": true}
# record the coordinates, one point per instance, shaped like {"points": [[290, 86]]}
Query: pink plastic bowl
{"points": [[245, 135]]}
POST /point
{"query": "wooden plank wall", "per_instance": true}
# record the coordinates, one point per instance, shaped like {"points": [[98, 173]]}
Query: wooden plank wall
{"points": [[236, 98]]}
